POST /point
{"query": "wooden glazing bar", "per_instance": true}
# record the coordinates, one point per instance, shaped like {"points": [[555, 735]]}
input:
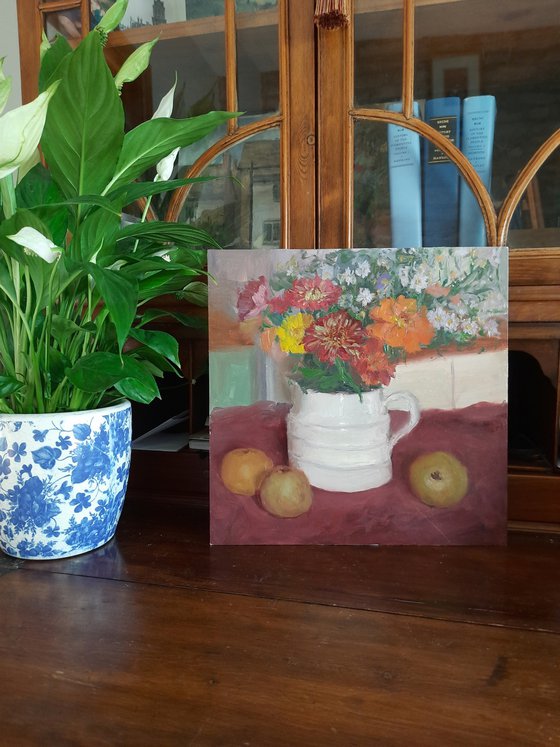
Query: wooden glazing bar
{"points": [[286, 145], [84, 10], [335, 87], [408, 59], [465, 167], [29, 32], [56, 5], [522, 182], [231, 63]]}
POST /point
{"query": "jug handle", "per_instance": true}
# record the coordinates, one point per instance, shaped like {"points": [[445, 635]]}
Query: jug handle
{"points": [[409, 403]]}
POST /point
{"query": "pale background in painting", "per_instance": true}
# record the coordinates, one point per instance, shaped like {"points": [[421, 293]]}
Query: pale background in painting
{"points": [[438, 382]]}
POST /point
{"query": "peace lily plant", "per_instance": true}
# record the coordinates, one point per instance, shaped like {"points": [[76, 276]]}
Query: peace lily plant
{"points": [[75, 281]]}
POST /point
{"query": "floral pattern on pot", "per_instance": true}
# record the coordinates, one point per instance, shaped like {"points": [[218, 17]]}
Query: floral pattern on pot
{"points": [[63, 479]]}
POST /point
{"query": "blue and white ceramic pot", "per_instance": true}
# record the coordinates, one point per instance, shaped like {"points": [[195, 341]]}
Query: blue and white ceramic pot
{"points": [[63, 479]]}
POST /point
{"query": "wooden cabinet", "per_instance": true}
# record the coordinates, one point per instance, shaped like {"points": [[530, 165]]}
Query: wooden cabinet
{"points": [[311, 97]]}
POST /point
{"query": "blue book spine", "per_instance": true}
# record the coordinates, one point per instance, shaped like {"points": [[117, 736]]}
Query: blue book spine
{"points": [[479, 116], [405, 183], [440, 176]]}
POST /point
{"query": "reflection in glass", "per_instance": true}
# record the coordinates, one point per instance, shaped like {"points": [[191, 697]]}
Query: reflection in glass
{"points": [[253, 6], [149, 13], [204, 8], [195, 93], [67, 23], [241, 208], [431, 212], [98, 8], [372, 211], [507, 48], [377, 53], [536, 221], [257, 59]]}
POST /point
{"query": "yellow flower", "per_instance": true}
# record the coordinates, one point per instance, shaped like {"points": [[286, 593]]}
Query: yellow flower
{"points": [[290, 333]]}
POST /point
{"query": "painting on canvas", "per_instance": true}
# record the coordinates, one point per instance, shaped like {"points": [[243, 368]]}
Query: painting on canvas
{"points": [[358, 396]]}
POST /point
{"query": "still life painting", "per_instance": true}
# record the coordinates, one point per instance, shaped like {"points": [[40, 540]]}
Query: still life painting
{"points": [[358, 396]]}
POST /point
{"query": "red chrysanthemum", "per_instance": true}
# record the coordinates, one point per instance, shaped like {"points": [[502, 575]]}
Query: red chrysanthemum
{"points": [[279, 304], [313, 294], [334, 336], [372, 365]]}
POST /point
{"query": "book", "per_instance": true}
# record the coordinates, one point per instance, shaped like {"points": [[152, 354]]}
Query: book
{"points": [[405, 183], [440, 176], [477, 127]]}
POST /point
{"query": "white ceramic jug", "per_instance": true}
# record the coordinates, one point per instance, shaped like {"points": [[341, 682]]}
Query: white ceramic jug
{"points": [[342, 441]]}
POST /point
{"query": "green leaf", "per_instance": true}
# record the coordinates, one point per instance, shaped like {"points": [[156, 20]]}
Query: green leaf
{"points": [[161, 342], [6, 282], [58, 363], [99, 371], [38, 191], [85, 123], [156, 363], [151, 141], [51, 69], [120, 296], [9, 385], [188, 321], [195, 292], [178, 233], [161, 283], [96, 233], [129, 193], [140, 391], [62, 326]]}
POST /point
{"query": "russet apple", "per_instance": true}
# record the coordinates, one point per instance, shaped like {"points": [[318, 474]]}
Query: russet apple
{"points": [[285, 492], [439, 479]]}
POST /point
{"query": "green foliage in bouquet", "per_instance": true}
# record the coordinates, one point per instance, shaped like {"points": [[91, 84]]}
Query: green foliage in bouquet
{"points": [[74, 279]]}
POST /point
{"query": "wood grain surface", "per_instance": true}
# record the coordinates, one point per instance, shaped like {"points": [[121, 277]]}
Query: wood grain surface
{"points": [[159, 639], [91, 661]]}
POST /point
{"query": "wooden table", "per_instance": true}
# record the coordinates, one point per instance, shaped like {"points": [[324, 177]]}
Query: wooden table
{"points": [[158, 639]]}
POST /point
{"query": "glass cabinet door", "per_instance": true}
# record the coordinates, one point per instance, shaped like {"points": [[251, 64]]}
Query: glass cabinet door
{"points": [[507, 51], [225, 55]]}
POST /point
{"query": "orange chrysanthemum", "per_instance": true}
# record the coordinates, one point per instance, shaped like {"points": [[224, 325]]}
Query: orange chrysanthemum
{"points": [[372, 365], [399, 323]]}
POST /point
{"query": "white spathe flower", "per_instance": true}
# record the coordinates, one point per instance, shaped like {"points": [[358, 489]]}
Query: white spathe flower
{"points": [[164, 167], [165, 106], [34, 241], [21, 130]]}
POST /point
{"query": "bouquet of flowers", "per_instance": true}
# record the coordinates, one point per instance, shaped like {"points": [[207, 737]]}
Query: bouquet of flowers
{"points": [[346, 318]]}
